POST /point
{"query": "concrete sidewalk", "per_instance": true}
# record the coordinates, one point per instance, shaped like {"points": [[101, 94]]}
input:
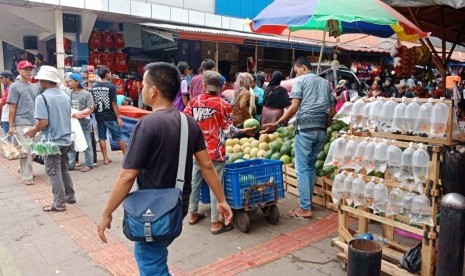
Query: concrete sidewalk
{"points": [[36, 243]]}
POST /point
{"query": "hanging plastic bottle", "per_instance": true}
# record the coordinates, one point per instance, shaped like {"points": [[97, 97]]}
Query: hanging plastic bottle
{"points": [[349, 154], [366, 115], [412, 114], [368, 193], [398, 122], [425, 117], [421, 211], [380, 197], [339, 147], [359, 155], [420, 164], [348, 189], [439, 118], [387, 115], [369, 156], [381, 156], [407, 203], [407, 170], [337, 191], [375, 114], [396, 198], [394, 154], [358, 192], [357, 114]]}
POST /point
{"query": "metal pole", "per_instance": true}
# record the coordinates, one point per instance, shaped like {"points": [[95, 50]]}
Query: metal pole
{"points": [[451, 237], [60, 49], [216, 55], [321, 51]]}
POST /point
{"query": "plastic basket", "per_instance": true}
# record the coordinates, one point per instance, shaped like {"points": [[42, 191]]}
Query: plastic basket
{"points": [[239, 177], [204, 193]]}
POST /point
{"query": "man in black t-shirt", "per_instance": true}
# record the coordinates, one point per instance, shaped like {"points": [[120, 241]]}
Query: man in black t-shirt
{"points": [[107, 113], [152, 158]]}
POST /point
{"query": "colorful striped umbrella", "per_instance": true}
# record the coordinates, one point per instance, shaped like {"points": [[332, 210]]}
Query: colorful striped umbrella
{"points": [[371, 17]]}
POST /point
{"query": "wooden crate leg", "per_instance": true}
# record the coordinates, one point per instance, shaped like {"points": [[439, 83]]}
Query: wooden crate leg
{"points": [[427, 254], [344, 234], [362, 222], [388, 231]]}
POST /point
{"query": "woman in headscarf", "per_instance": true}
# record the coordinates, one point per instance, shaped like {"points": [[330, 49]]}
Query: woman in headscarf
{"points": [[244, 100], [276, 99]]}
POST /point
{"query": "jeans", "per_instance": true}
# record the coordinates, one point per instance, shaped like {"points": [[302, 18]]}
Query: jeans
{"points": [[86, 128], [196, 183], [56, 167], [5, 127], [307, 146], [25, 165], [151, 258], [113, 127]]}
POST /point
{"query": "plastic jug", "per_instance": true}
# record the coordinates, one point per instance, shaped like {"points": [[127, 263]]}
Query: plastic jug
{"points": [[366, 115], [396, 198], [358, 191], [425, 117], [369, 156], [368, 193], [398, 121], [412, 114], [387, 115], [380, 197], [375, 114], [348, 189], [381, 156], [394, 155], [349, 154], [337, 191], [359, 155], [407, 170], [357, 114], [439, 118], [339, 148], [420, 164]]}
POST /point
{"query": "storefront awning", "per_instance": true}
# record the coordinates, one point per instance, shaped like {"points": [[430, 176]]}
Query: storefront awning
{"points": [[226, 36]]}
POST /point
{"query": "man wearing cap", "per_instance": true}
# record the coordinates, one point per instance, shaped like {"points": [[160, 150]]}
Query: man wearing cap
{"points": [[21, 97], [6, 78], [212, 113], [53, 113], [82, 103]]}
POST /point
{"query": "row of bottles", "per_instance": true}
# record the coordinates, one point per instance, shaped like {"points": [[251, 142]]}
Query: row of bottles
{"points": [[354, 191], [427, 119], [374, 154]]}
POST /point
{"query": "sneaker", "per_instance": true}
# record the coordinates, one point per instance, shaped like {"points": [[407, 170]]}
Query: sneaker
{"points": [[95, 164], [71, 201]]}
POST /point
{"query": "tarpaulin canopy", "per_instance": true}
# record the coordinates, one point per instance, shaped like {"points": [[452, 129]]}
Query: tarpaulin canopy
{"points": [[456, 4]]}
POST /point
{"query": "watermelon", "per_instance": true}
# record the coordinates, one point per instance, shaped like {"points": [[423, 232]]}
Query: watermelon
{"points": [[319, 165], [329, 130], [252, 123], [326, 148], [276, 146], [286, 149], [332, 176], [268, 154], [286, 159], [293, 152], [276, 156], [321, 156]]}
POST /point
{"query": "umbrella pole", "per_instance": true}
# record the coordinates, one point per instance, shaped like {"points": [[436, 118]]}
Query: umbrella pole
{"points": [[321, 51]]}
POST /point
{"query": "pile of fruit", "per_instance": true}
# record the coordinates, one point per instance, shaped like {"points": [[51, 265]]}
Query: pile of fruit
{"points": [[331, 135]]}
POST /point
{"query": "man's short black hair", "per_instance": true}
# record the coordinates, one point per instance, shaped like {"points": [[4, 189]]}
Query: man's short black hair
{"points": [[165, 77], [103, 71], [208, 64], [302, 61], [182, 66]]}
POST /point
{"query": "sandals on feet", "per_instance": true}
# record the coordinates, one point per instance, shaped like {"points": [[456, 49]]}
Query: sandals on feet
{"points": [[28, 182], [53, 208], [199, 218], [224, 229], [293, 214], [108, 162]]}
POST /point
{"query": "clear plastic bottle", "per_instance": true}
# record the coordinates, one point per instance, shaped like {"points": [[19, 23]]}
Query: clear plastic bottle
{"points": [[396, 198], [387, 115], [359, 155], [412, 114], [420, 164], [398, 122], [381, 156], [394, 154], [439, 118], [358, 190], [348, 189], [339, 147], [357, 114], [425, 117], [349, 154], [366, 115], [368, 193], [337, 191], [369, 156], [380, 197], [407, 170], [375, 114]]}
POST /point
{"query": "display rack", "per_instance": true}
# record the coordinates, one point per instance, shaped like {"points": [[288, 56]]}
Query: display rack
{"points": [[393, 249], [290, 180]]}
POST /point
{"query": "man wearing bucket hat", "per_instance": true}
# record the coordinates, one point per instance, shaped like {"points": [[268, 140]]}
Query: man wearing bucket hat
{"points": [[53, 113], [82, 103], [21, 97]]}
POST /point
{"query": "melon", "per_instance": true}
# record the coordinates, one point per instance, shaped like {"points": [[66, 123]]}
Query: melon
{"points": [[246, 156], [237, 148], [246, 145], [276, 146], [261, 153], [252, 123], [244, 140], [286, 159], [229, 149], [276, 156], [229, 142], [255, 144], [254, 152], [264, 138], [251, 139], [285, 149], [263, 146], [236, 141], [272, 137], [247, 150], [268, 154]]}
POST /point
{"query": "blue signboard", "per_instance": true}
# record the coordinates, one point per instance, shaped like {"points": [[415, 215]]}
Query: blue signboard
{"points": [[241, 8]]}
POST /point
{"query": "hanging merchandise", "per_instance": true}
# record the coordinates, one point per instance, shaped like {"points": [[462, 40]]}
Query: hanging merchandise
{"points": [[387, 115], [407, 203], [358, 191], [421, 212], [337, 150], [424, 118], [381, 156], [396, 198], [106, 59], [107, 39], [420, 164], [407, 170], [394, 155], [369, 156], [95, 40], [348, 189], [366, 114], [120, 62], [380, 198], [412, 113], [360, 155], [375, 114], [368, 193], [398, 123], [337, 191], [439, 118], [357, 114], [95, 58], [119, 40], [67, 45], [120, 85], [349, 153]]}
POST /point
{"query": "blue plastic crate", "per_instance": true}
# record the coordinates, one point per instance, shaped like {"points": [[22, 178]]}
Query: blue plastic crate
{"points": [[204, 193], [239, 177]]}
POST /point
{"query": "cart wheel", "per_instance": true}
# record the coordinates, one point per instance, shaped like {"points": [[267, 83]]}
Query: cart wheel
{"points": [[272, 216], [242, 221]]}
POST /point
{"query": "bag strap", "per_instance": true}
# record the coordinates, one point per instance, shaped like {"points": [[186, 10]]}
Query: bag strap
{"points": [[182, 152]]}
